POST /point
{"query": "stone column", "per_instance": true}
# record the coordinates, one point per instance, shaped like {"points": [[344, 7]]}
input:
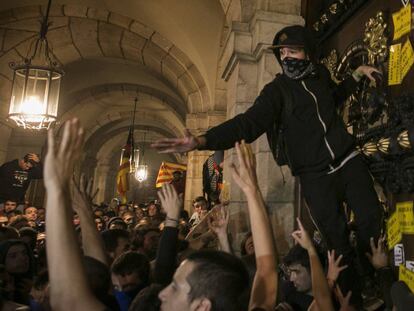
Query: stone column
{"points": [[101, 175], [249, 65]]}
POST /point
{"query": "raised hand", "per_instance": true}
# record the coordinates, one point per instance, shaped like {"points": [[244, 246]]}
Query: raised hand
{"points": [[171, 202], [379, 257], [219, 220], [60, 161], [368, 71], [83, 195], [184, 144], [344, 300], [245, 175], [334, 268], [34, 157], [302, 237]]}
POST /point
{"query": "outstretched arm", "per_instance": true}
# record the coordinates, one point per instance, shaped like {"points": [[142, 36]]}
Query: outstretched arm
{"points": [[69, 289], [248, 126], [265, 281], [92, 242], [166, 260], [320, 287]]}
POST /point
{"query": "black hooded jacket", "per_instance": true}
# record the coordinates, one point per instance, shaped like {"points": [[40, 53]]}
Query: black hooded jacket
{"points": [[299, 116], [315, 136]]}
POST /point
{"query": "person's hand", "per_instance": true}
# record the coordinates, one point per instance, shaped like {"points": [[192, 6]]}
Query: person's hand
{"points": [[184, 144], [245, 175], [379, 256], [344, 300], [334, 269], [34, 157], [60, 161], [83, 195], [368, 71], [171, 202], [302, 237], [219, 220]]}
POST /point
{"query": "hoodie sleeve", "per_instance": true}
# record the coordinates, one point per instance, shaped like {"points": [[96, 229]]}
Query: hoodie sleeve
{"points": [[248, 125], [342, 90]]}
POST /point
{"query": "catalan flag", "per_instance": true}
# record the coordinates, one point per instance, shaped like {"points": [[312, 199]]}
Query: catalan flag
{"points": [[122, 178], [165, 174]]}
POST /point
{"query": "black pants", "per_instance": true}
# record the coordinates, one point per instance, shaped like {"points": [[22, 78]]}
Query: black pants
{"points": [[325, 196]]}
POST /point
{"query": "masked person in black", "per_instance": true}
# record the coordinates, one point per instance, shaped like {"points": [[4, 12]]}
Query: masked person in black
{"points": [[298, 112], [15, 177]]}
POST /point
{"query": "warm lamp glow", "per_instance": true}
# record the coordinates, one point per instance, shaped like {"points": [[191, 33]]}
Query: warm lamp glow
{"points": [[141, 173]]}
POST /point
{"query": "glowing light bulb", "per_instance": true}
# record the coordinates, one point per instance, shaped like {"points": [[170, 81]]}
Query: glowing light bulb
{"points": [[141, 173], [33, 108]]}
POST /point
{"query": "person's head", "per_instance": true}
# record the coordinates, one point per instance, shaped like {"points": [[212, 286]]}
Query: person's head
{"points": [[139, 214], [30, 213], [27, 163], [130, 272], [98, 276], [153, 209], [122, 208], [147, 299], [9, 206], [297, 261], [18, 222], [129, 218], [200, 205], [8, 233], [29, 236], [99, 223], [247, 246], [116, 223], [16, 257], [116, 242], [207, 280], [41, 214], [295, 42]]}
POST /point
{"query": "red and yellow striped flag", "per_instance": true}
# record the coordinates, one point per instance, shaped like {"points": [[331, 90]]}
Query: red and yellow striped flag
{"points": [[122, 178], [165, 174]]}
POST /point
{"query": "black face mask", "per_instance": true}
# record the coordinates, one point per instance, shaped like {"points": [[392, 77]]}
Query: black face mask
{"points": [[298, 68]]}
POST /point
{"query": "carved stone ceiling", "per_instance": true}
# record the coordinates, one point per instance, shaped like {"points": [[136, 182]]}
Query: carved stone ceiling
{"points": [[165, 52]]}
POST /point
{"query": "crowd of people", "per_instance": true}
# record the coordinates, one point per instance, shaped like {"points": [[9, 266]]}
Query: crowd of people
{"points": [[150, 257], [74, 255]]}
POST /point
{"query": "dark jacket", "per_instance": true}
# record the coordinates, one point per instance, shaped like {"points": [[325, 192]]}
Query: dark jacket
{"points": [[14, 181], [315, 137]]}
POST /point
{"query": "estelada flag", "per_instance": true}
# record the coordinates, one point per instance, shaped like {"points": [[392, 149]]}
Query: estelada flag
{"points": [[122, 178], [165, 174]]}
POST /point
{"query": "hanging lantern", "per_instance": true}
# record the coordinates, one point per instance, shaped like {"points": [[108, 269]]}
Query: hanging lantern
{"points": [[141, 174], [36, 85], [135, 161]]}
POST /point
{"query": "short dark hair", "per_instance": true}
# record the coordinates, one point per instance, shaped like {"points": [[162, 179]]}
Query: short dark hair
{"points": [[220, 277], [200, 199], [147, 299], [130, 262], [297, 255], [110, 238]]}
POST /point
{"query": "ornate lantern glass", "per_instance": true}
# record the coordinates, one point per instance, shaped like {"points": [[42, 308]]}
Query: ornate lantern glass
{"points": [[141, 174], [35, 96], [36, 84]]}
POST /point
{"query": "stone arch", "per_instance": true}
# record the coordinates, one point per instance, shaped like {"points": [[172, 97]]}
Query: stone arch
{"points": [[84, 32]]}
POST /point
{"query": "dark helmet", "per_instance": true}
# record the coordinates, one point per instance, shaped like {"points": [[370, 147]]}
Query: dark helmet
{"points": [[295, 36]]}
